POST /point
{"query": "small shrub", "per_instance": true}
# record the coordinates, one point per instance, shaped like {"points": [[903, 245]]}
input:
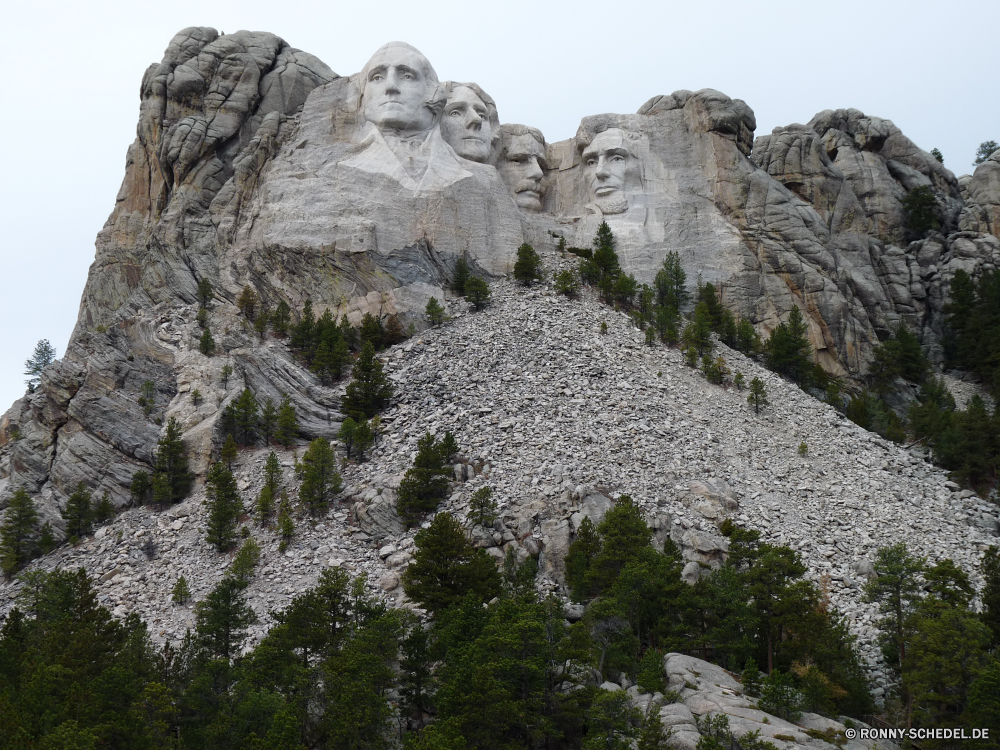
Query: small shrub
{"points": [[803, 449], [739, 381], [604, 328], [566, 283]]}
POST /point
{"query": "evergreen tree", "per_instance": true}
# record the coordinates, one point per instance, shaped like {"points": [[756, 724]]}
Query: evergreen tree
{"points": [[985, 151], [288, 422], [567, 284], [990, 597], [104, 511], [936, 153], [346, 434], [670, 283], [920, 211], [460, 276], [147, 397], [895, 588], [246, 412], [580, 560], [224, 374], [286, 527], [171, 461], [698, 333], [223, 619], [181, 592], [788, 348], [528, 266], [43, 356], [229, 452], [369, 390], [206, 344], [303, 334], [371, 330], [747, 339], [320, 480], [446, 567], [281, 319], [224, 508], [435, 313], [482, 507], [19, 532], [46, 538], [477, 291], [247, 302], [713, 307], [624, 290], [261, 321], [758, 395], [140, 488], [424, 485], [268, 420], [605, 256], [78, 513], [205, 292]]}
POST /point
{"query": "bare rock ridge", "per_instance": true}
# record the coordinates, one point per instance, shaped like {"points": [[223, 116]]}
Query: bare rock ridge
{"points": [[254, 163]]}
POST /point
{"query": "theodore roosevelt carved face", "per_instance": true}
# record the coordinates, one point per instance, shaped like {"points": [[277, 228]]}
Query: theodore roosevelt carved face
{"points": [[606, 163], [469, 122], [400, 89], [522, 165]]}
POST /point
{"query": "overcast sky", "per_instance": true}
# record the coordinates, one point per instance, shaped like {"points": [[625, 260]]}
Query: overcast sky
{"points": [[70, 90]]}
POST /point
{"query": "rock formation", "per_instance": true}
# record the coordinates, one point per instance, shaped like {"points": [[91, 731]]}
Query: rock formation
{"points": [[255, 164]]}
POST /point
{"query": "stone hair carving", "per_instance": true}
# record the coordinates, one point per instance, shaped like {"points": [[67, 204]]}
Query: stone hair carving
{"points": [[400, 90], [611, 168], [470, 123], [522, 165]]}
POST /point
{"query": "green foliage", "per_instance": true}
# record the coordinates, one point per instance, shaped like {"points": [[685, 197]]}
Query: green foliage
{"points": [[288, 422], [369, 390], [990, 597], [268, 420], [788, 349], [895, 588], [46, 538], [566, 283], [281, 319], [320, 480], [747, 339], [245, 416], [424, 485], [171, 464], [147, 397], [228, 453], [43, 356], [937, 155], [803, 449], [435, 312], [985, 150], [739, 381], [698, 333], [202, 317], [611, 722], [605, 257], [460, 276], [372, 330], [528, 266], [482, 507], [196, 397], [715, 370], [286, 527], [78, 513], [357, 437], [779, 697], [869, 411], [19, 532], [624, 290], [205, 292], [245, 562], [707, 294], [206, 344], [900, 356], [140, 488], [104, 510], [652, 677], [181, 592], [224, 508], [974, 324], [670, 283], [751, 679], [920, 211], [223, 619], [477, 291], [247, 302], [224, 374], [446, 567], [758, 395]]}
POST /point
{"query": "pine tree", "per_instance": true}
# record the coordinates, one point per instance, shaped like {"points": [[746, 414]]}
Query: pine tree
{"points": [[224, 508], [446, 568], [181, 593], [147, 397], [288, 422], [104, 511], [716, 312], [205, 292], [482, 507], [281, 319], [747, 338], [369, 390], [985, 150], [895, 588], [477, 291], [19, 532], [272, 486], [78, 513], [435, 313], [286, 527], [371, 330], [261, 321], [46, 538], [527, 267], [171, 460], [567, 284], [788, 348], [346, 434], [320, 479], [268, 420], [424, 485], [990, 597], [758, 395], [303, 333], [43, 356], [605, 256], [206, 344], [140, 488], [247, 302], [670, 283], [229, 452], [698, 333], [460, 276], [224, 374], [246, 411], [223, 618]]}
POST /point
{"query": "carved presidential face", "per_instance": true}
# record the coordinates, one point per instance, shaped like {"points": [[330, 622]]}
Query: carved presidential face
{"points": [[522, 168], [398, 83], [465, 125], [606, 162]]}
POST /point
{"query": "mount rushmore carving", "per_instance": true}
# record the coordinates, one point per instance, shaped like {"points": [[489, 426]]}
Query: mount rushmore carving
{"points": [[255, 164]]}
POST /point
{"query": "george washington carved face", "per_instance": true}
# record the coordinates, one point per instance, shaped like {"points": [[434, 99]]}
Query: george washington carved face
{"points": [[399, 88]]}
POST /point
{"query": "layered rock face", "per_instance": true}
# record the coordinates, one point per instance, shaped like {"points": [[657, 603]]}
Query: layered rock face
{"points": [[255, 164]]}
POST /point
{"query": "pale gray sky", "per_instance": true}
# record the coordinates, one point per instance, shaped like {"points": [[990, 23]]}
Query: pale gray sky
{"points": [[70, 79]]}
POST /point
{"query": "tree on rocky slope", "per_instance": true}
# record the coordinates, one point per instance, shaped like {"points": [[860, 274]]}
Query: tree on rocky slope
{"points": [[43, 356], [424, 485], [369, 390], [171, 463], [19, 533], [320, 479], [224, 508]]}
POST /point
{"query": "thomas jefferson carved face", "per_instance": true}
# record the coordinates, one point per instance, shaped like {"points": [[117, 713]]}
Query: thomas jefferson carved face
{"points": [[399, 84], [466, 125], [522, 166], [606, 162]]}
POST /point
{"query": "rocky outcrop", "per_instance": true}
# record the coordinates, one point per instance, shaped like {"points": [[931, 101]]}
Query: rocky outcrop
{"points": [[982, 198]]}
